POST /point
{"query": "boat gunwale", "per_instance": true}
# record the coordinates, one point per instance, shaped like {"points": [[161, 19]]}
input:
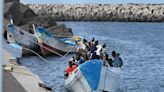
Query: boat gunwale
{"points": [[51, 36]]}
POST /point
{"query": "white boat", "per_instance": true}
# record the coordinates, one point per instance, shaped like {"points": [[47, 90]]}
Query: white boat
{"points": [[14, 49], [49, 43], [93, 76], [19, 36]]}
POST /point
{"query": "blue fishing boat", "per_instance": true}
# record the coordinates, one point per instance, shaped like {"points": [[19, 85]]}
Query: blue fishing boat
{"points": [[93, 76], [49, 43]]}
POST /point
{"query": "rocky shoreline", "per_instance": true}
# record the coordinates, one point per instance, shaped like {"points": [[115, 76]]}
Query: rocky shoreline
{"points": [[24, 17], [101, 12]]}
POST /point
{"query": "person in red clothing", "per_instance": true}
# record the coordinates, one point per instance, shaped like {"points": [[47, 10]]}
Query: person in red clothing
{"points": [[70, 68]]}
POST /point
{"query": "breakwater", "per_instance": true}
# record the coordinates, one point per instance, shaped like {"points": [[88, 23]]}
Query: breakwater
{"points": [[101, 12]]}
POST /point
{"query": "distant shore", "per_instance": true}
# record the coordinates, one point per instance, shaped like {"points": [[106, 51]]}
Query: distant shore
{"points": [[101, 12]]}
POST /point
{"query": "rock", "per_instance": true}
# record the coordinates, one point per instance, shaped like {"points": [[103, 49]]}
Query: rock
{"points": [[38, 21], [101, 12], [5, 21], [26, 11], [51, 22], [43, 21], [6, 1], [27, 28], [12, 8], [61, 31]]}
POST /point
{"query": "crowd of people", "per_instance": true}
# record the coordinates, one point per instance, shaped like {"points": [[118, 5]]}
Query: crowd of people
{"points": [[92, 50]]}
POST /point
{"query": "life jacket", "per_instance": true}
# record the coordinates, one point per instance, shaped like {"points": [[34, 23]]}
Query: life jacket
{"points": [[70, 69]]}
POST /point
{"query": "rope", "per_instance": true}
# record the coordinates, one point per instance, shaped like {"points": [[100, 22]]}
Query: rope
{"points": [[67, 53], [35, 42], [39, 44], [36, 54]]}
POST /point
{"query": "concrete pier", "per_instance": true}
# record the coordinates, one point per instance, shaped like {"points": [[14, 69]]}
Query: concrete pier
{"points": [[101, 12], [18, 78]]}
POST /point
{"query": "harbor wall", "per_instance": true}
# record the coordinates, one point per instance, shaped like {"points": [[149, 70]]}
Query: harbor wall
{"points": [[101, 12]]}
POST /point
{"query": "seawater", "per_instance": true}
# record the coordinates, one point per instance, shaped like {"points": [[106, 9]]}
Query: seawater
{"points": [[141, 45]]}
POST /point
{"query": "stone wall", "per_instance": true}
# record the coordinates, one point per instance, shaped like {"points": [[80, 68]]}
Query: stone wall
{"points": [[101, 12]]}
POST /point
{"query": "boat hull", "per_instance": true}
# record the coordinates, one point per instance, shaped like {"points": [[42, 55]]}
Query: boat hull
{"points": [[46, 49], [50, 44], [77, 81], [19, 36]]}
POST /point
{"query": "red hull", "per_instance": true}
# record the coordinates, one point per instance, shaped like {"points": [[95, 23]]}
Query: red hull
{"points": [[46, 51]]}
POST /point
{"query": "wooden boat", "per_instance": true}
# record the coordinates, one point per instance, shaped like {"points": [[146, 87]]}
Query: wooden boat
{"points": [[93, 76], [50, 44], [20, 36]]}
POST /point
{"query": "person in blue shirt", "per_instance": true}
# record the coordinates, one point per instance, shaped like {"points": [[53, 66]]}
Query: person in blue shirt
{"points": [[81, 60], [117, 59], [93, 48]]}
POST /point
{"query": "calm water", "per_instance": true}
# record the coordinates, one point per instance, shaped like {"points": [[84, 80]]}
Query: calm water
{"points": [[141, 46]]}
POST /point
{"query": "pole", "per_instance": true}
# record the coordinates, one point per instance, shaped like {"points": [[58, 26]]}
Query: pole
{"points": [[1, 29], [11, 19]]}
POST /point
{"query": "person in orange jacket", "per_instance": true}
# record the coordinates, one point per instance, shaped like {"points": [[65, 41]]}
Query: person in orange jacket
{"points": [[70, 68]]}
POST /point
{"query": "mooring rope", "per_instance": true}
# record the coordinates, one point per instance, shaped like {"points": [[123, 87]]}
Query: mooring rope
{"points": [[62, 56], [41, 45], [37, 54]]}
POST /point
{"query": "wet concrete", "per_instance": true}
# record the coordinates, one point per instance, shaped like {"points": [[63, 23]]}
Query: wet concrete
{"points": [[10, 84]]}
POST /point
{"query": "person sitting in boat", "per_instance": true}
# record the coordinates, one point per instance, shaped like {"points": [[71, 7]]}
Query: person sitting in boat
{"points": [[74, 60], [108, 60], [86, 44], [80, 45], [94, 56], [82, 60], [100, 49], [93, 48], [71, 66], [117, 59], [92, 42]]}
